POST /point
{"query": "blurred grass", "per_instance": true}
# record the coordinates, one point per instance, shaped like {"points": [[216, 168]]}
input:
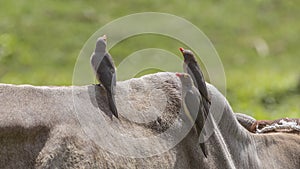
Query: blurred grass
{"points": [[256, 40]]}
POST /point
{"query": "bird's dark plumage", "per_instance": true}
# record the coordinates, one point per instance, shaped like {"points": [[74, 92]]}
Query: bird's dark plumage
{"points": [[104, 69], [191, 102], [191, 67]]}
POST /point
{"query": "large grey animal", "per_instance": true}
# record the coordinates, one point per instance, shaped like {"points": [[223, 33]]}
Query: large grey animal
{"points": [[42, 128], [104, 68], [191, 67]]}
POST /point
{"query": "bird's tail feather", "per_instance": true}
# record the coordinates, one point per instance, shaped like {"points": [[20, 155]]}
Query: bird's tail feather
{"points": [[112, 104], [200, 121], [203, 148]]}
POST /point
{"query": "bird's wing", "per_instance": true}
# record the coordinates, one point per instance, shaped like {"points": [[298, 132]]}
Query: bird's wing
{"points": [[114, 83], [113, 72], [192, 74], [110, 59], [198, 78]]}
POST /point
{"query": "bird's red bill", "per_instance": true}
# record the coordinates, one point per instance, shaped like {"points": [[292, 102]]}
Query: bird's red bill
{"points": [[178, 74], [181, 49]]}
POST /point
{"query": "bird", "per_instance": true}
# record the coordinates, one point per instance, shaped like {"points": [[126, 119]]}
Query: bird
{"points": [[104, 68], [191, 67], [191, 99]]}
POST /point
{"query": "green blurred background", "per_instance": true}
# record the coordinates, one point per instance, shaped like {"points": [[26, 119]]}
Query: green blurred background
{"points": [[257, 41]]}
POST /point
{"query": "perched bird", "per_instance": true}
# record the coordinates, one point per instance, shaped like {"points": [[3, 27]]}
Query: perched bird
{"points": [[191, 67], [104, 68], [191, 101]]}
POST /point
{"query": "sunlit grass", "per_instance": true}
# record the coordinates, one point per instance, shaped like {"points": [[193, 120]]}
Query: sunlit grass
{"points": [[40, 41]]}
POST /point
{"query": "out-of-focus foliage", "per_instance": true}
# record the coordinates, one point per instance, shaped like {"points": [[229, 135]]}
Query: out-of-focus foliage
{"points": [[258, 42]]}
